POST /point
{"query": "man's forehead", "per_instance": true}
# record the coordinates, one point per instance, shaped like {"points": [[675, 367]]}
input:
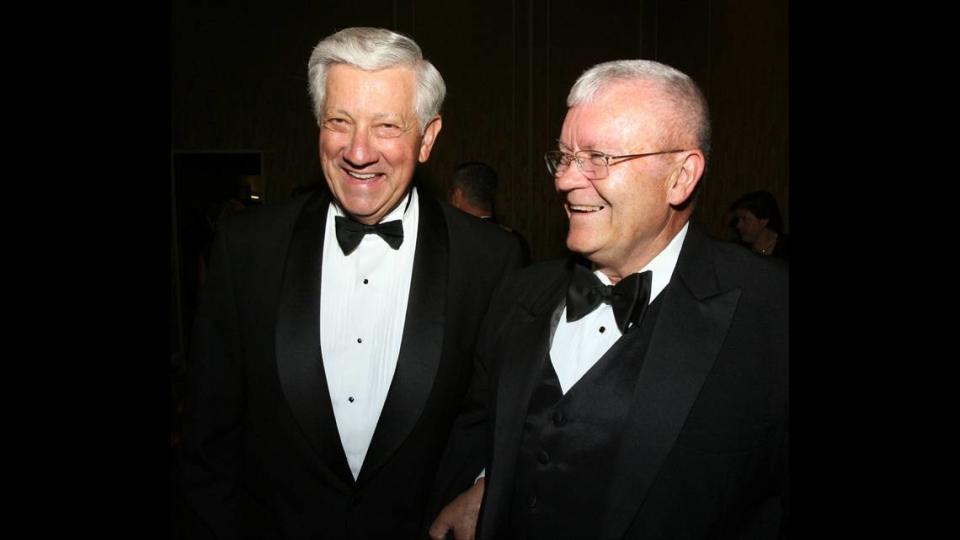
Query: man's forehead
{"points": [[630, 98], [348, 86], [611, 124]]}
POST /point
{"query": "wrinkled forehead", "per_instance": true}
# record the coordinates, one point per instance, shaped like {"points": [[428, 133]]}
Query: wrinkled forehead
{"points": [[347, 82], [621, 115]]}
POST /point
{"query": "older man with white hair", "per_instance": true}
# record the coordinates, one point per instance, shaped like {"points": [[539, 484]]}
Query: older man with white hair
{"points": [[645, 395], [334, 338]]}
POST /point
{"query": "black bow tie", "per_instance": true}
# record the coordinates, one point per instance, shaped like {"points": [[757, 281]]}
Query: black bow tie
{"points": [[350, 232], [628, 298]]}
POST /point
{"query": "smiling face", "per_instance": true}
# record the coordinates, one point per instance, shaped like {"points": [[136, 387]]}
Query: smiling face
{"points": [[622, 221], [370, 140]]}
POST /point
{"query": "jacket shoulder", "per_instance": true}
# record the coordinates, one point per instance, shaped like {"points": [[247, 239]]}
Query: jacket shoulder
{"points": [[473, 228], [738, 266]]}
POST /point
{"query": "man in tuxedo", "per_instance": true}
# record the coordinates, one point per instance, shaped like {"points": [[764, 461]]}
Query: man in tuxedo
{"points": [[472, 189], [334, 338], [644, 396]]}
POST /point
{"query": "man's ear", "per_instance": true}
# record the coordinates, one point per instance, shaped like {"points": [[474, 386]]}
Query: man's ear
{"points": [[687, 177], [429, 137]]}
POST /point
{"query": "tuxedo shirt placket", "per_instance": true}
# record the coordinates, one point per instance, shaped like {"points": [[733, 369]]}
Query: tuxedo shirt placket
{"points": [[361, 326]]}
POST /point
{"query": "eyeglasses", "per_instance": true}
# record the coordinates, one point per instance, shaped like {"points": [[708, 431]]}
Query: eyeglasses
{"points": [[593, 165]]}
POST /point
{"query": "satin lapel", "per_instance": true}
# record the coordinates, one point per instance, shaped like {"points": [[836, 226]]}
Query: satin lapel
{"points": [[689, 332], [299, 362], [422, 341], [521, 351]]}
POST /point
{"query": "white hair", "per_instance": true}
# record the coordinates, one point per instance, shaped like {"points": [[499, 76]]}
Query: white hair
{"points": [[373, 49], [688, 101]]}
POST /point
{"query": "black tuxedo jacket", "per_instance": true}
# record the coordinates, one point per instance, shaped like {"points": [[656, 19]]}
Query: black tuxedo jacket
{"points": [[704, 451], [261, 456]]}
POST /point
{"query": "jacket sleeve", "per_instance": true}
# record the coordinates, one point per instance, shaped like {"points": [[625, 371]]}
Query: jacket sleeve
{"points": [[467, 451]]}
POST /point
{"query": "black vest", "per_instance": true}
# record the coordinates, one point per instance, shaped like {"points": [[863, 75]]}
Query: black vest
{"points": [[570, 441]]}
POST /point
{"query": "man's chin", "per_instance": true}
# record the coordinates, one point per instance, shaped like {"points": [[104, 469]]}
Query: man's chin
{"points": [[362, 213], [581, 242]]}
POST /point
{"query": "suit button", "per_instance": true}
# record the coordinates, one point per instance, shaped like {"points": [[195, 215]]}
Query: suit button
{"points": [[543, 457], [532, 501], [558, 418], [356, 499]]}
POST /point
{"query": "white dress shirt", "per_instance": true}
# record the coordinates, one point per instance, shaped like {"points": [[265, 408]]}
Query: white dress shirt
{"points": [[579, 344], [364, 303]]}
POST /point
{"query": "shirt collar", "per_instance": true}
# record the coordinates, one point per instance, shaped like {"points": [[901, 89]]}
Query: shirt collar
{"points": [[661, 267], [401, 211]]}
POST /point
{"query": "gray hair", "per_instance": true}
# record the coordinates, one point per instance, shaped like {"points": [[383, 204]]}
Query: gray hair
{"points": [[689, 103], [373, 49]]}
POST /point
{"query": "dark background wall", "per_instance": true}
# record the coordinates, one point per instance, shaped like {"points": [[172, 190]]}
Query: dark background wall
{"points": [[239, 86]]}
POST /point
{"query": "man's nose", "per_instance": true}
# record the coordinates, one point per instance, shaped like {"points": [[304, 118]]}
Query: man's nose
{"points": [[361, 151], [571, 178]]}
